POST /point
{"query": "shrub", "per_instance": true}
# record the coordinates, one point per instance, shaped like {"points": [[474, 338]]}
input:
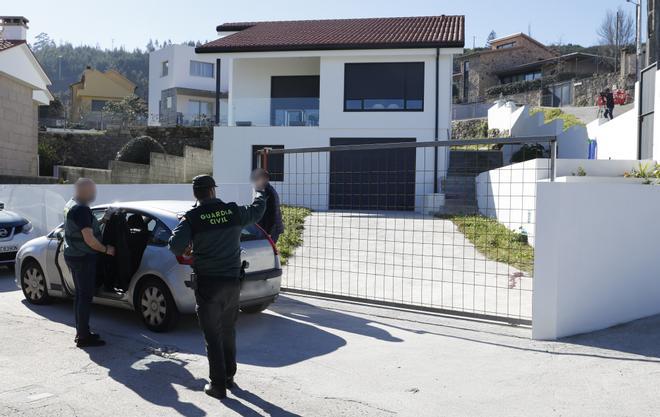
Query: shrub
{"points": [[527, 152], [294, 219], [47, 158], [551, 114], [138, 150]]}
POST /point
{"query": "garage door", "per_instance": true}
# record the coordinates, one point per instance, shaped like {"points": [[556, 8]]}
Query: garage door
{"points": [[381, 179]]}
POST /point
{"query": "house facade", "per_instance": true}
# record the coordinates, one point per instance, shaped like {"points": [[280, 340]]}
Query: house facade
{"points": [[94, 90], [23, 88], [317, 83], [480, 70], [182, 86]]}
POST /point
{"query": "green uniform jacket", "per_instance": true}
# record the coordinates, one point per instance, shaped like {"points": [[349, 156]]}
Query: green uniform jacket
{"points": [[74, 244], [214, 228]]}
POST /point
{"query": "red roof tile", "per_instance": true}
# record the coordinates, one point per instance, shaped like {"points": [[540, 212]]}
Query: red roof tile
{"points": [[374, 33], [6, 44]]}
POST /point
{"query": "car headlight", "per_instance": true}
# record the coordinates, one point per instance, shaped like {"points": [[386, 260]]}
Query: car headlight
{"points": [[27, 228]]}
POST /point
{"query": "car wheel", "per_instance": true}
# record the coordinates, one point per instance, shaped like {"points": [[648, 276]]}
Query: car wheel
{"points": [[156, 306], [33, 283], [255, 308]]}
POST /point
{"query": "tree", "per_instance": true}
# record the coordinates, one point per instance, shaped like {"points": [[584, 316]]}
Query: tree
{"points": [[43, 41], [128, 110], [491, 36], [617, 30]]}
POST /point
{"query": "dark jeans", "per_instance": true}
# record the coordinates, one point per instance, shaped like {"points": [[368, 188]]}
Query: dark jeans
{"points": [[609, 113], [83, 270], [217, 311]]}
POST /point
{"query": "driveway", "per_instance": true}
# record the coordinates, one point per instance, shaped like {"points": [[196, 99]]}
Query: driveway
{"points": [[312, 357], [406, 258]]}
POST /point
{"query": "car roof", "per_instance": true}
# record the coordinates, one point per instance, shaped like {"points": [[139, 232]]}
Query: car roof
{"points": [[168, 211]]}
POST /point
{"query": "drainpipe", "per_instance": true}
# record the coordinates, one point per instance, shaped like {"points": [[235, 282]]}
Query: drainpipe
{"points": [[437, 101], [217, 92]]}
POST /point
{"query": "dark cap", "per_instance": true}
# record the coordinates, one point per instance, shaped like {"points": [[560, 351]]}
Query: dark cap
{"points": [[258, 173], [204, 181]]}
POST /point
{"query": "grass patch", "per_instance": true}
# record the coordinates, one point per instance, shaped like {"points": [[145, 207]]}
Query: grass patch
{"points": [[294, 219], [495, 241], [553, 113]]}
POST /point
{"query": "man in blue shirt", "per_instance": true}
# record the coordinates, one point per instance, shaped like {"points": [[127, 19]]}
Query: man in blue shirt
{"points": [[82, 243]]}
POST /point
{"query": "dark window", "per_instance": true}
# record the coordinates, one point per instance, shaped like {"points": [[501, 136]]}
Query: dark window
{"points": [[384, 86], [98, 105], [506, 45], [275, 162], [294, 100]]}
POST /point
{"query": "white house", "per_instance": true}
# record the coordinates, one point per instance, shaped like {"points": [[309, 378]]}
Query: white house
{"points": [[297, 84], [182, 86], [23, 88]]}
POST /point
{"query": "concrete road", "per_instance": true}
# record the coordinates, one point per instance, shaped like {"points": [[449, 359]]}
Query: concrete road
{"points": [[405, 258], [313, 357]]}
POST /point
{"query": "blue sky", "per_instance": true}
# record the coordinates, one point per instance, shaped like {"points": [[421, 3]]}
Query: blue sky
{"points": [[132, 23]]}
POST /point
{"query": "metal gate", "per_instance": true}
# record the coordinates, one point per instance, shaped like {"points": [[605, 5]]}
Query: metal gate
{"points": [[465, 250], [646, 111]]}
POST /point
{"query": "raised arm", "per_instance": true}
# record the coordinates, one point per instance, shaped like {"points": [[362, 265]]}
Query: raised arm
{"points": [[252, 213]]}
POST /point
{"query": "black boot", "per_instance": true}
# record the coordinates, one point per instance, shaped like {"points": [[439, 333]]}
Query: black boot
{"points": [[215, 391]]}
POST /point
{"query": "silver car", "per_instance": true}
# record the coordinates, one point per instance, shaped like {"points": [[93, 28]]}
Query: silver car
{"points": [[157, 290]]}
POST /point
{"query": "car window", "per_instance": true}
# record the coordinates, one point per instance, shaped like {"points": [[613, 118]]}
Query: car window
{"points": [[252, 232], [160, 234], [57, 232]]}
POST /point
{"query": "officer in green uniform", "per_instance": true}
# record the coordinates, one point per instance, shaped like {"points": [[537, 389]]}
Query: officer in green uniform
{"points": [[82, 243], [213, 228]]}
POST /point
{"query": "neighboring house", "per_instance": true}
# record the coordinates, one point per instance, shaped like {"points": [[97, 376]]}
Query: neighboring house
{"points": [[182, 87], [23, 87], [96, 88], [519, 58], [477, 71], [296, 84]]}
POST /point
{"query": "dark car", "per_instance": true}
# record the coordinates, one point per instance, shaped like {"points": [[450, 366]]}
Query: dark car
{"points": [[15, 230]]}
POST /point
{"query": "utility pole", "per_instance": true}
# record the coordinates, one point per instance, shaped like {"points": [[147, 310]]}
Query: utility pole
{"points": [[617, 51], [638, 38]]}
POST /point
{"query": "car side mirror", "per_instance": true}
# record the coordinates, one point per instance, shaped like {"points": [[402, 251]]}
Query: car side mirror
{"points": [[59, 234], [2, 205]]}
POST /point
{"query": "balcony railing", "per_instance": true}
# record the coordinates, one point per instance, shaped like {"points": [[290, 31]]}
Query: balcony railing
{"points": [[297, 111]]}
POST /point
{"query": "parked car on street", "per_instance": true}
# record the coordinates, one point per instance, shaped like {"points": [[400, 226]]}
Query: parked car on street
{"points": [[156, 285], [15, 230]]}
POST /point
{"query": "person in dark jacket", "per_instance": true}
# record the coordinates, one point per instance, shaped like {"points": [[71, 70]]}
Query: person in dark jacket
{"points": [[271, 222], [609, 104], [213, 228], [82, 244]]}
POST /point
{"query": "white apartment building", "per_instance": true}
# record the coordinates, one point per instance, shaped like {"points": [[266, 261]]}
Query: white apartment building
{"points": [[182, 87]]}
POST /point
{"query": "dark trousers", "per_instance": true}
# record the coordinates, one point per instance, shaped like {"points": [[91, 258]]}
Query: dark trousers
{"points": [[609, 113], [83, 270], [217, 311]]}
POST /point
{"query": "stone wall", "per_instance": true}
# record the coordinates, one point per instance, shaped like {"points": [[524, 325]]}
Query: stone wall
{"points": [[18, 129], [586, 90], [95, 151], [162, 169], [69, 174]]}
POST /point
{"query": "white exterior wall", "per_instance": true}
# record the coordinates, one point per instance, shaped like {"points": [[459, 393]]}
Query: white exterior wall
{"points": [[249, 79], [509, 194], [250, 90], [43, 205], [596, 261], [506, 116], [179, 57]]}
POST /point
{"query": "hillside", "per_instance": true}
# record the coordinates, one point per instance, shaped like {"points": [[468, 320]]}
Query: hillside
{"points": [[64, 62]]}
